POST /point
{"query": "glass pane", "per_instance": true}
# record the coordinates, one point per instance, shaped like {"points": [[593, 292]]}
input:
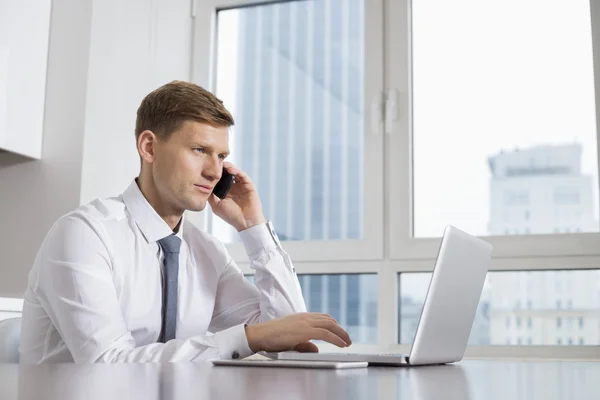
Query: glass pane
{"points": [[349, 298], [519, 308], [292, 75], [504, 119]]}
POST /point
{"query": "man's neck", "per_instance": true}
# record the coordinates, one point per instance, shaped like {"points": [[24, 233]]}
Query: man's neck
{"points": [[148, 189]]}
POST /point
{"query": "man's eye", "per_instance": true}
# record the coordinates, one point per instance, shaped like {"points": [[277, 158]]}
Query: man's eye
{"points": [[199, 150], [222, 156]]}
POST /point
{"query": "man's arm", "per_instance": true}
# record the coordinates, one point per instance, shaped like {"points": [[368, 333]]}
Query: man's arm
{"points": [[75, 287], [276, 292], [267, 305]]}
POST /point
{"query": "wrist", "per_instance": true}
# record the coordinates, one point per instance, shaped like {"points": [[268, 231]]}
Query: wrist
{"points": [[251, 337], [249, 223]]}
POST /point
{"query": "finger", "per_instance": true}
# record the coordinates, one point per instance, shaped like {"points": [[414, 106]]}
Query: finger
{"points": [[213, 200], [328, 336], [334, 328], [306, 347], [240, 176], [327, 316], [319, 315], [322, 316]]}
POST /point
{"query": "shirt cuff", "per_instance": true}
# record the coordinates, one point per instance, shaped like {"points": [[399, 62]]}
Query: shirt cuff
{"points": [[233, 343], [259, 237]]}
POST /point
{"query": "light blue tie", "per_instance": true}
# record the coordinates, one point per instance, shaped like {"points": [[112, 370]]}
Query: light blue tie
{"points": [[170, 245]]}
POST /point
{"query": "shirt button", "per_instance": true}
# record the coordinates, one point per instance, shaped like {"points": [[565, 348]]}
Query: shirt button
{"points": [[235, 355]]}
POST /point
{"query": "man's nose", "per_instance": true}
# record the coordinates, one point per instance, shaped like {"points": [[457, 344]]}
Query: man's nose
{"points": [[212, 170]]}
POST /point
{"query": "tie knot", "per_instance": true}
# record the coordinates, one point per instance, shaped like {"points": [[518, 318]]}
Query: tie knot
{"points": [[170, 244]]}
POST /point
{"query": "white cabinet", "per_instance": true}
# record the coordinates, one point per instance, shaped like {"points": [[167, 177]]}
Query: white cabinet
{"points": [[24, 34]]}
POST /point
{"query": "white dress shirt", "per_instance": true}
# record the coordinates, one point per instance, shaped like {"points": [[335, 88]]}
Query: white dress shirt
{"points": [[94, 293]]}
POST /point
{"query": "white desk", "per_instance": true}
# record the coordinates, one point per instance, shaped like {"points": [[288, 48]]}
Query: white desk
{"points": [[468, 380]]}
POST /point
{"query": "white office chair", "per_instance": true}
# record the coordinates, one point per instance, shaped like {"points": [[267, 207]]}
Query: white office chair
{"points": [[10, 334]]}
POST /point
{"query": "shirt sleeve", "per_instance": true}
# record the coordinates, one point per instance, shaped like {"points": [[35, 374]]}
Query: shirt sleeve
{"points": [[76, 289], [275, 293]]}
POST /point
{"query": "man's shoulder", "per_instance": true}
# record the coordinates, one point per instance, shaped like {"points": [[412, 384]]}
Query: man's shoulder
{"points": [[107, 208], [91, 216]]}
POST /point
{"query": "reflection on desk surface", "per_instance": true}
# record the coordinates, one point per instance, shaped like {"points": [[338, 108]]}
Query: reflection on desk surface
{"points": [[468, 380]]}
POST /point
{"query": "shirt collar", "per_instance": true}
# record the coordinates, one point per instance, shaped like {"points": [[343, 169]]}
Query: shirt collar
{"points": [[153, 227]]}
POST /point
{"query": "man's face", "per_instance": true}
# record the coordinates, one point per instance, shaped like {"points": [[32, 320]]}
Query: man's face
{"points": [[189, 164]]}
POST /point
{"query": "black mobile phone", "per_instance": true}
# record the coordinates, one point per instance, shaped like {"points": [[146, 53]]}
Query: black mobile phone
{"points": [[222, 187]]}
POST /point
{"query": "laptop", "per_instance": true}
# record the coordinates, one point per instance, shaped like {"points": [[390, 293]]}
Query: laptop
{"points": [[448, 312]]}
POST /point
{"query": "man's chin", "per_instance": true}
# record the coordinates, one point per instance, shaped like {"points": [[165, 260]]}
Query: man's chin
{"points": [[196, 207]]}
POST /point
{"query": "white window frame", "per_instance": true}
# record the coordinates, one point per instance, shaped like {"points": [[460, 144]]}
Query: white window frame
{"points": [[393, 250], [370, 247]]}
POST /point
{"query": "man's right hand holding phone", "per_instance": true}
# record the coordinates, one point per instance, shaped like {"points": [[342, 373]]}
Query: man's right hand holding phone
{"points": [[241, 208]]}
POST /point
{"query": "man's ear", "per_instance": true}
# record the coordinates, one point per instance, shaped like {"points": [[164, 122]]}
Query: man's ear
{"points": [[146, 145]]}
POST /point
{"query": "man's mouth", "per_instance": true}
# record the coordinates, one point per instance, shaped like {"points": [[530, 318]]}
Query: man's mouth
{"points": [[204, 188]]}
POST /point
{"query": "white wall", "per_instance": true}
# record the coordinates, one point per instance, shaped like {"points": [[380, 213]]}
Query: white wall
{"points": [[34, 193], [136, 46], [132, 47], [24, 29]]}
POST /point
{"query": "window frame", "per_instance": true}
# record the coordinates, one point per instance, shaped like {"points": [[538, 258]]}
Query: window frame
{"points": [[371, 246], [395, 250]]}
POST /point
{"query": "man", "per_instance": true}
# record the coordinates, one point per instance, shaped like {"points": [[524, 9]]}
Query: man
{"points": [[128, 279]]}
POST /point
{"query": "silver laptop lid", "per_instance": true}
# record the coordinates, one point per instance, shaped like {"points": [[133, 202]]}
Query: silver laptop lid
{"points": [[452, 298]]}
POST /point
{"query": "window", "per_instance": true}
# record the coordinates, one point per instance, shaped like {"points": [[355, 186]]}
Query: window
{"points": [[524, 156], [529, 341], [10, 308], [295, 77], [334, 304], [558, 341], [350, 298], [493, 318], [566, 195], [558, 304], [509, 184], [580, 322], [570, 341], [519, 341], [581, 341], [315, 292], [512, 198]]}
